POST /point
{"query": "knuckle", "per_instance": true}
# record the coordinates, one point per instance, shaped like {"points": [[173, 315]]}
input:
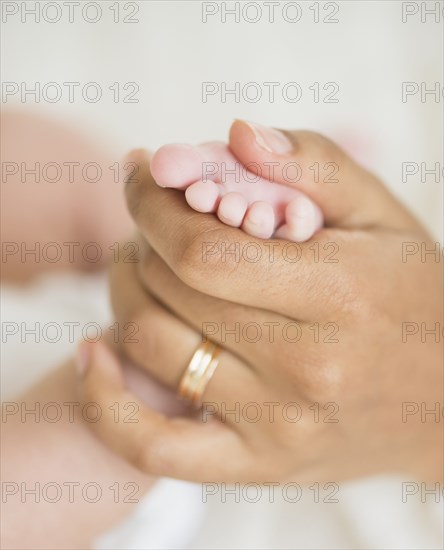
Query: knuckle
{"points": [[339, 283], [195, 266], [144, 459], [154, 458], [346, 290], [318, 147], [330, 381], [325, 383], [338, 290]]}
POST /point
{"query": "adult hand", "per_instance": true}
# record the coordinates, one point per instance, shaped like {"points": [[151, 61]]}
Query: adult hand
{"points": [[341, 348]]}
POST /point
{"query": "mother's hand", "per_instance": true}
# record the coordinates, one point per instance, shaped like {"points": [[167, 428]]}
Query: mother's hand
{"points": [[326, 325]]}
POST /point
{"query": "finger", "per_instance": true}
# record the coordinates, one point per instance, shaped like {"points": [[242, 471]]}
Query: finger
{"points": [[224, 262], [178, 447], [164, 344], [258, 337], [348, 195]]}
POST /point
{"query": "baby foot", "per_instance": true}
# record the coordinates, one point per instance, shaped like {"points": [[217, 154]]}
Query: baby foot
{"points": [[215, 181]]}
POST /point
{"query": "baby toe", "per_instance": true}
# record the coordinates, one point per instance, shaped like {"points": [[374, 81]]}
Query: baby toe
{"points": [[203, 196], [302, 219], [176, 165], [232, 208], [259, 220]]}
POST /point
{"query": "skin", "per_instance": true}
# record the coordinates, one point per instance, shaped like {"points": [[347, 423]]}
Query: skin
{"points": [[65, 451], [60, 211], [60, 453], [169, 293], [368, 373]]}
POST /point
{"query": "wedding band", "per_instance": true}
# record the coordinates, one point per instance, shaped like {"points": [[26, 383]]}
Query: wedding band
{"points": [[198, 373]]}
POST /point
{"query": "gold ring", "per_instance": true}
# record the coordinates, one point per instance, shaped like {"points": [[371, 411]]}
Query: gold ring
{"points": [[198, 373]]}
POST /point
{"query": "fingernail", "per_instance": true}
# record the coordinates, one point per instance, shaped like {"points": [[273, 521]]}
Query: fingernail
{"points": [[83, 357], [270, 139]]}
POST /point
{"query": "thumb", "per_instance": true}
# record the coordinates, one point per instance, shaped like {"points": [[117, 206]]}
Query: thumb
{"points": [[348, 195]]}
